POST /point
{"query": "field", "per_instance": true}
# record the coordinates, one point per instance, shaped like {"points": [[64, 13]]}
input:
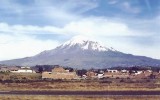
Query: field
{"points": [[82, 85], [24, 82]]}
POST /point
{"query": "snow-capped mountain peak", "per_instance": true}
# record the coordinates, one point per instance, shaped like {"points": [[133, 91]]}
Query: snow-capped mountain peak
{"points": [[76, 40], [85, 44]]}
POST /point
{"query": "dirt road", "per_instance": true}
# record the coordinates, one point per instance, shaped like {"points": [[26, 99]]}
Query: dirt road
{"points": [[80, 93]]}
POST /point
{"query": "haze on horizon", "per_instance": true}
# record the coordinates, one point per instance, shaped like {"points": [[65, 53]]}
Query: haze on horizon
{"points": [[28, 27]]}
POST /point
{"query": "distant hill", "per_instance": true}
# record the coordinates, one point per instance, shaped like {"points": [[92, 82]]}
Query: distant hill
{"points": [[83, 53]]}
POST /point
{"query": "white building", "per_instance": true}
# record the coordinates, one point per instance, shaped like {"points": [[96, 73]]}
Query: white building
{"points": [[23, 70], [138, 72], [124, 71], [100, 75], [112, 71]]}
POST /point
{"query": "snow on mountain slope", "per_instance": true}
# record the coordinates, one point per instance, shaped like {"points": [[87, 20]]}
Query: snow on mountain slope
{"points": [[85, 44]]}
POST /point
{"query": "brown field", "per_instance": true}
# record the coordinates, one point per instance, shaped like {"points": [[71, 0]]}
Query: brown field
{"points": [[10, 81], [81, 85], [19, 76], [39, 97], [24, 82]]}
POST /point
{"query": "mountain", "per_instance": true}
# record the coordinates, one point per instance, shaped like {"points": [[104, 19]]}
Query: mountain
{"points": [[80, 52]]}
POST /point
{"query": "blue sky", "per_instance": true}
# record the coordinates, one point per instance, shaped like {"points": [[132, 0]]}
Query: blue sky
{"points": [[28, 27]]}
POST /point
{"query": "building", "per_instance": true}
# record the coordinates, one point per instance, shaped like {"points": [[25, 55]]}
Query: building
{"points": [[23, 70], [112, 71], [4, 69], [59, 73], [115, 74], [91, 74], [100, 75], [7, 68]]}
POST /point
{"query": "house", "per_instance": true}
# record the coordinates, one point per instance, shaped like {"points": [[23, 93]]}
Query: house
{"points": [[8, 68], [124, 71], [115, 74], [100, 75], [23, 70], [138, 72], [4, 69], [59, 73], [112, 71], [91, 74]]}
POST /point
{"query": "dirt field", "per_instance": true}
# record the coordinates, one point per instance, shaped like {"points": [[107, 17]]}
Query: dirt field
{"points": [[10, 81], [24, 82], [81, 85]]}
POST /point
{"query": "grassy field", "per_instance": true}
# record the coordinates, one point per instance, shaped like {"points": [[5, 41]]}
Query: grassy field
{"points": [[39, 97]]}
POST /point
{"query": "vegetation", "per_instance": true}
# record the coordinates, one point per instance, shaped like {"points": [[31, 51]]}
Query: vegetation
{"points": [[12, 77], [81, 85]]}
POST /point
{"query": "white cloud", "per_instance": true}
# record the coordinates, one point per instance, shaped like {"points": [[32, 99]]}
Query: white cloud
{"points": [[86, 26], [97, 26], [102, 27], [112, 2], [53, 12], [17, 46], [28, 29], [126, 6]]}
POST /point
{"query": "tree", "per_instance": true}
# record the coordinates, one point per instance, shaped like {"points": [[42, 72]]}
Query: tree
{"points": [[81, 72], [40, 69]]}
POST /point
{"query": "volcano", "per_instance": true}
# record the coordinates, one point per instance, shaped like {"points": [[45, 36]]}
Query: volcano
{"points": [[81, 52]]}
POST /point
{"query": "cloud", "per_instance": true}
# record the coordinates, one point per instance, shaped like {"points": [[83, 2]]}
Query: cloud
{"points": [[126, 6], [57, 12], [86, 26], [112, 2], [17, 46], [98, 26]]}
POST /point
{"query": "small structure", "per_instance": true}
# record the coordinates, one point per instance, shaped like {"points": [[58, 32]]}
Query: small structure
{"points": [[115, 74], [124, 71], [4, 69], [138, 72], [23, 70], [59, 73], [91, 74], [8, 68], [100, 75], [112, 71]]}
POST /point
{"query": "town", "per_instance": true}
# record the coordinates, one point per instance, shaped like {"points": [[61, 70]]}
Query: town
{"points": [[55, 72], [60, 79]]}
